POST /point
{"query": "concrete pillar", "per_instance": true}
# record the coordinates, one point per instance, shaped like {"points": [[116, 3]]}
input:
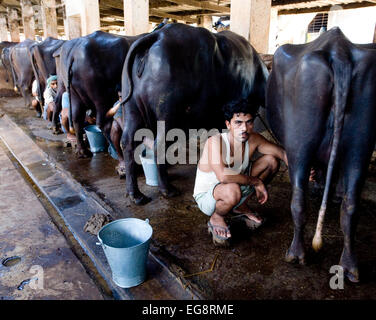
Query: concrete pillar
{"points": [[82, 17], [136, 16], [13, 25], [273, 30], [251, 19], [3, 27], [49, 18], [206, 22], [90, 20], [28, 19]]}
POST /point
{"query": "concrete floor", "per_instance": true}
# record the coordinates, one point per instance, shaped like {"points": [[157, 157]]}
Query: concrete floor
{"points": [[46, 267], [253, 268]]}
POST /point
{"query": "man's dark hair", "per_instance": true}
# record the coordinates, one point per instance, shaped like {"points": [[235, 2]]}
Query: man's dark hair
{"points": [[239, 106]]}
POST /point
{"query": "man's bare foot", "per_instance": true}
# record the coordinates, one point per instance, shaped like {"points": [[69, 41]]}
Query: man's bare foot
{"points": [[220, 227], [244, 209]]}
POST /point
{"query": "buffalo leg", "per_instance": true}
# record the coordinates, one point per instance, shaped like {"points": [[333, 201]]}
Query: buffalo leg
{"points": [[165, 187], [78, 117], [348, 225], [296, 252], [131, 125], [349, 219], [27, 97], [55, 115]]}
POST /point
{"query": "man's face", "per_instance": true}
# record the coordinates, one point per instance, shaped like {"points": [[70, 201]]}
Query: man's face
{"points": [[53, 84], [240, 126]]}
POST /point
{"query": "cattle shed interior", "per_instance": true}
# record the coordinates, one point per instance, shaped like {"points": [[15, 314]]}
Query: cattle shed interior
{"points": [[82, 188], [267, 24]]}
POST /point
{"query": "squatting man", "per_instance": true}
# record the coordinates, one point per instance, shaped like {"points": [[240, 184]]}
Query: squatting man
{"points": [[226, 177]]}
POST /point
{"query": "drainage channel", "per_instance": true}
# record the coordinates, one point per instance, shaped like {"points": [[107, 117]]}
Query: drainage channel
{"points": [[61, 226]]}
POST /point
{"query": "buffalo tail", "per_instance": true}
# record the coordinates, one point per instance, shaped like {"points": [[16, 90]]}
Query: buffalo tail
{"points": [[342, 70], [139, 45]]}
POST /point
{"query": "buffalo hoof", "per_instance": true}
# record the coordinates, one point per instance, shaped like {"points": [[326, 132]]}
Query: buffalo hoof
{"points": [[84, 153], [139, 200], [350, 272], [170, 192], [290, 257], [352, 275], [350, 267]]}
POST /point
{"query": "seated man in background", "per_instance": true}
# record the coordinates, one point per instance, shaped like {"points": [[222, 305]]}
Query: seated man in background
{"points": [[35, 100], [49, 97], [64, 117], [226, 177]]}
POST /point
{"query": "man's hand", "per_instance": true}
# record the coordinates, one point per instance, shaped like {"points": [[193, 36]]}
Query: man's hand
{"points": [[261, 193]]}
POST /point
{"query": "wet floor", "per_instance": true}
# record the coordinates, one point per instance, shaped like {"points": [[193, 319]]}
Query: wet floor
{"points": [[253, 268], [36, 261]]}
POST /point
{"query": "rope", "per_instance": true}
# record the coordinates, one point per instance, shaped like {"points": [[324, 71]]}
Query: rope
{"points": [[267, 128]]}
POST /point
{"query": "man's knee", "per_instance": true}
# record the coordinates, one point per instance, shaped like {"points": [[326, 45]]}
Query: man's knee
{"points": [[232, 194], [272, 162]]}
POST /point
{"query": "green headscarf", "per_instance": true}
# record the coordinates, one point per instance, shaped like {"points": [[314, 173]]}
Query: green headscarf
{"points": [[50, 79]]}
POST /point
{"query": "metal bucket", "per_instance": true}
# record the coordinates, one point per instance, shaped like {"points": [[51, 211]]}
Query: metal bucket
{"points": [[125, 243], [150, 167], [96, 138]]}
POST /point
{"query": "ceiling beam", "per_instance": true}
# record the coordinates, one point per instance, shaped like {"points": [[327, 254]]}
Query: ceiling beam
{"points": [[153, 12], [111, 4], [202, 5], [157, 13], [287, 2]]}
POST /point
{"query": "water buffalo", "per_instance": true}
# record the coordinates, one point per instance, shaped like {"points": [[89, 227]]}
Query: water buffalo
{"points": [[183, 75], [4, 58], [43, 63], [61, 56], [90, 68], [22, 70], [321, 105]]}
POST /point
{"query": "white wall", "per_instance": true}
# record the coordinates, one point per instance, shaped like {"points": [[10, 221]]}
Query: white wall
{"points": [[290, 28], [357, 24]]}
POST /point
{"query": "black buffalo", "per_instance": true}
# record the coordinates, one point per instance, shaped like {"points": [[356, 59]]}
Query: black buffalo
{"points": [[183, 75], [43, 63], [22, 70], [90, 68], [4, 58], [321, 105]]}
